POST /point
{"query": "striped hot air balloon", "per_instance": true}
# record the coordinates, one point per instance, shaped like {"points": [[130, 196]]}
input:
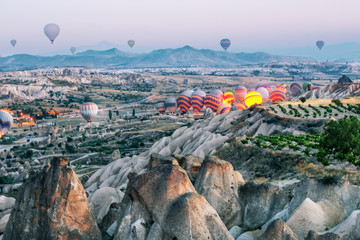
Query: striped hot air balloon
{"points": [[217, 92], [6, 121], [266, 86], [184, 102], [240, 93], [281, 87], [229, 97], [252, 98], [296, 89], [224, 108], [171, 105], [160, 106], [277, 95], [263, 92], [240, 106], [212, 101], [89, 110], [197, 101], [314, 88], [225, 43]]}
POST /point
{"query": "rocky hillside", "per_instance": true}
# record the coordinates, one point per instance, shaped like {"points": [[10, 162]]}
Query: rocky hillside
{"points": [[334, 91]]}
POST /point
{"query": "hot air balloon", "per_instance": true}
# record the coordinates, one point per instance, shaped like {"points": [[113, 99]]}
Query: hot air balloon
{"points": [[171, 105], [314, 88], [73, 50], [252, 98], [229, 97], [281, 87], [160, 106], [217, 92], [188, 92], [240, 106], [266, 86], [320, 44], [88, 110], [6, 121], [184, 102], [240, 93], [212, 101], [197, 101], [52, 30], [13, 42], [307, 86], [131, 43], [263, 92], [224, 108], [225, 43], [277, 95], [296, 89]]}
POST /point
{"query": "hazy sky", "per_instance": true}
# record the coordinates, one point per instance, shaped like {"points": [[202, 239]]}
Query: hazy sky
{"points": [[250, 24]]}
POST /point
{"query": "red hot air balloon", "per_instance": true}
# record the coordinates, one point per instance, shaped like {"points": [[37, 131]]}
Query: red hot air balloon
{"points": [[240, 93], [320, 44], [277, 95], [240, 106], [229, 97], [88, 110], [197, 101], [184, 102], [160, 106], [212, 101], [225, 43], [224, 108]]}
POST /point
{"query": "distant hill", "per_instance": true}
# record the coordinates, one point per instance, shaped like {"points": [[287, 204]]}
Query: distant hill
{"points": [[114, 58]]}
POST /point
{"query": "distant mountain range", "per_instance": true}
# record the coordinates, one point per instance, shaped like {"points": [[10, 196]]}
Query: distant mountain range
{"points": [[114, 58]]}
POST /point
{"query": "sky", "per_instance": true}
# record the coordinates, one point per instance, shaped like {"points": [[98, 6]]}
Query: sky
{"points": [[252, 25]]}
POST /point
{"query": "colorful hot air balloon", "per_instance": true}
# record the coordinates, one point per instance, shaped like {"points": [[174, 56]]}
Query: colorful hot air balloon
{"points": [[296, 89], [184, 102], [217, 92], [52, 30], [307, 86], [13, 42], [160, 106], [240, 93], [252, 98], [314, 88], [229, 97], [131, 43], [225, 43], [224, 108], [6, 121], [89, 110], [320, 44], [263, 92], [73, 50], [240, 106], [266, 86], [277, 95], [197, 101], [212, 101], [171, 105], [281, 87]]}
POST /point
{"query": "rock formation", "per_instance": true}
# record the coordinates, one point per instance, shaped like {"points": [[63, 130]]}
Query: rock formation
{"points": [[278, 230], [52, 205], [344, 79]]}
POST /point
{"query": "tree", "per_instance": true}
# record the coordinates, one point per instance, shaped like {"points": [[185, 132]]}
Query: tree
{"points": [[133, 113], [110, 114], [87, 98], [341, 140], [303, 99]]}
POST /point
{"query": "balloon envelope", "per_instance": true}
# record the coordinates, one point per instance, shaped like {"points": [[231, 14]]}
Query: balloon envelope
{"points": [[277, 95], [6, 121], [266, 86], [184, 102], [281, 87], [212, 101], [314, 88], [131, 43], [197, 100], [307, 86], [240, 106], [171, 105], [13, 42], [252, 98], [218, 93], [296, 89], [240, 93], [160, 106], [224, 108], [320, 44], [225, 43], [73, 50], [263, 92], [52, 30], [229, 97], [89, 110]]}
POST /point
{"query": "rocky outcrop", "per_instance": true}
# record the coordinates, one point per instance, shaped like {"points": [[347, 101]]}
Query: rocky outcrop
{"points": [[52, 205], [344, 79], [333, 91], [278, 230]]}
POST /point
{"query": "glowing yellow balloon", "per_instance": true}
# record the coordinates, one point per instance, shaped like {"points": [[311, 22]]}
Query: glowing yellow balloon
{"points": [[252, 98]]}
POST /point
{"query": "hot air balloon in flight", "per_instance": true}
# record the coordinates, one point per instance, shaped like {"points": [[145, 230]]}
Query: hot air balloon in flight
{"points": [[171, 105], [6, 121], [277, 95], [13, 42], [212, 101], [160, 106], [224, 108], [184, 102], [229, 97], [225, 43], [197, 101], [89, 110], [252, 98], [263, 92], [307, 86], [217, 92], [240, 106], [240, 93], [73, 50], [131, 43], [296, 89], [320, 44], [52, 30], [266, 86]]}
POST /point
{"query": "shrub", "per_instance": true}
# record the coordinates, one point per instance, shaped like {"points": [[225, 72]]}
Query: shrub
{"points": [[303, 99]]}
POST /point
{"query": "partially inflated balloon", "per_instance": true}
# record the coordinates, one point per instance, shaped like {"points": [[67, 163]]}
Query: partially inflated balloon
{"points": [[263, 92], [315, 88], [171, 105], [6, 121], [131, 43], [52, 30], [197, 100], [184, 102], [88, 110], [225, 43], [160, 106], [277, 95], [296, 89], [240, 93], [281, 87], [229, 97], [320, 44], [13, 42], [212, 101], [240, 106], [73, 50], [252, 98], [266, 86], [307, 86], [218, 93], [224, 108]]}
